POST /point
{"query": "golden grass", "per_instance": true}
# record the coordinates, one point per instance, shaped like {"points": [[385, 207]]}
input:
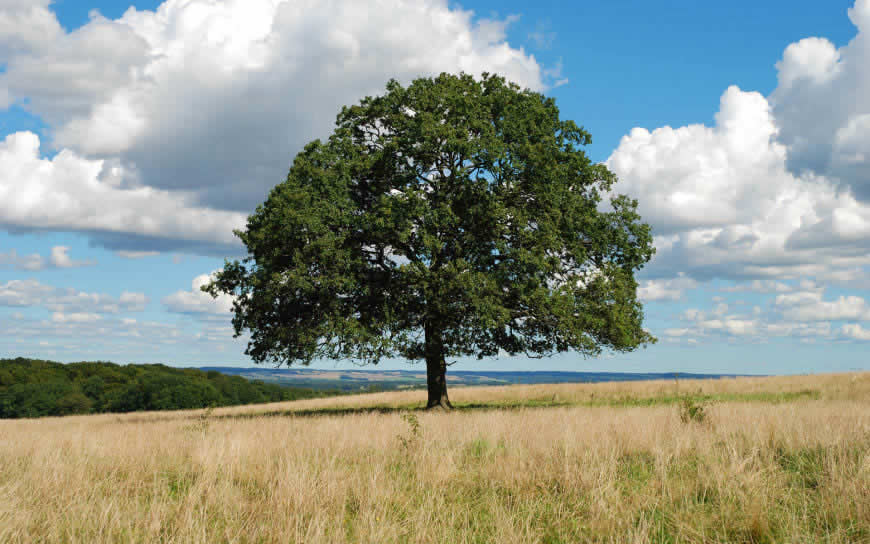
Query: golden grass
{"points": [[790, 464]]}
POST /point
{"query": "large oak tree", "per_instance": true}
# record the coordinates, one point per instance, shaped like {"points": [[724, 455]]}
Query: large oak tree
{"points": [[457, 216]]}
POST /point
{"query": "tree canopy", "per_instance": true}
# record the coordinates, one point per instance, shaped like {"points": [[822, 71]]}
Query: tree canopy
{"points": [[457, 216]]}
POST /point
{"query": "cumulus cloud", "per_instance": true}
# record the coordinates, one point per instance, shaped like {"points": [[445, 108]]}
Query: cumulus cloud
{"points": [[723, 204], [25, 26], [32, 293], [215, 98], [778, 187], [197, 303], [822, 106], [69, 192]]}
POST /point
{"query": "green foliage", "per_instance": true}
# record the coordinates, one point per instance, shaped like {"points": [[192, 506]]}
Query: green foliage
{"points": [[692, 410], [456, 216], [33, 388], [414, 432]]}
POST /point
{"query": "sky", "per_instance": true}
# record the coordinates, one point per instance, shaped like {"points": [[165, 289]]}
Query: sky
{"points": [[134, 137]]}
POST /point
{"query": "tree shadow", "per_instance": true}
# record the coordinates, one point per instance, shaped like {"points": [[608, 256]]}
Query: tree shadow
{"points": [[328, 411], [384, 410]]}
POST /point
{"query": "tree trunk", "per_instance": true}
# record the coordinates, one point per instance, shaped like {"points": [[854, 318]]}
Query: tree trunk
{"points": [[436, 380], [436, 370]]}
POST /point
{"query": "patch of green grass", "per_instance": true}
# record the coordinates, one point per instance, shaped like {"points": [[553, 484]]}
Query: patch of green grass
{"points": [[177, 483], [351, 512], [805, 466], [635, 469], [477, 449], [660, 526], [550, 401], [511, 404], [762, 396], [705, 495], [480, 449]]}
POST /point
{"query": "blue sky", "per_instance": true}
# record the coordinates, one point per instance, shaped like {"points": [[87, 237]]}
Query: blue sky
{"points": [[132, 141]]}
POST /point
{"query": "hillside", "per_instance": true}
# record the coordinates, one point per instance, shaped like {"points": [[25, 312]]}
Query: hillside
{"points": [[783, 459], [34, 388]]}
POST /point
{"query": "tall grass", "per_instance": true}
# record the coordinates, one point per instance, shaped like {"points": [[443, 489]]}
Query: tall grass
{"points": [[591, 463]]}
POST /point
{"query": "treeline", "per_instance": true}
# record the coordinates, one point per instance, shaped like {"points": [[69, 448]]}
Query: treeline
{"points": [[34, 388]]}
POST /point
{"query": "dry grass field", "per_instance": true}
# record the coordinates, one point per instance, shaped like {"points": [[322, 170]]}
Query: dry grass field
{"points": [[774, 460]]}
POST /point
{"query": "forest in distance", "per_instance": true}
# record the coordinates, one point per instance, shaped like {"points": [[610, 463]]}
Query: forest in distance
{"points": [[35, 388]]}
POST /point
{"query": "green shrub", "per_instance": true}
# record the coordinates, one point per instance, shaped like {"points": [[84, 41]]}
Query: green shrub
{"points": [[692, 410], [414, 432]]}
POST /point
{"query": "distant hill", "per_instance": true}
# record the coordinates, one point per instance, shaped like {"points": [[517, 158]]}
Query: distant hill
{"points": [[34, 388], [388, 380]]}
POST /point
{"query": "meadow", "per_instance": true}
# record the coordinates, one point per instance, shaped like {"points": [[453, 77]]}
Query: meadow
{"points": [[782, 459]]}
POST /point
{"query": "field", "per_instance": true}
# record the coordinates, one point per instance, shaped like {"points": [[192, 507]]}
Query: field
{"points": [[783, 459]]}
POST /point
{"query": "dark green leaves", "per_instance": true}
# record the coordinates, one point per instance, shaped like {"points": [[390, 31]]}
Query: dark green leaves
{"points": [[461, 204]]}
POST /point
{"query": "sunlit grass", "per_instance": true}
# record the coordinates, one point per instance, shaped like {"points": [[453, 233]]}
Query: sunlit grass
{"points": [[774, 460]]}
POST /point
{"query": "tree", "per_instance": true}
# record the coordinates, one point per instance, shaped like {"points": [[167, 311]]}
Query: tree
{"points": [[453, 217]]}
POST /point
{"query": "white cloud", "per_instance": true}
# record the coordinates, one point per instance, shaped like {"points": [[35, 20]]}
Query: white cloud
{"points": [[22, 293], [856, 332], [759, 286], [735, 327], [703, 177], [31, 293], [822, 106], [97, 336], [803, 315], [69, 192], [810, 306], [198, 303], [26, 25], [214, 98], [778, 187], [669, 289], [723, 204], [60, 259]]}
